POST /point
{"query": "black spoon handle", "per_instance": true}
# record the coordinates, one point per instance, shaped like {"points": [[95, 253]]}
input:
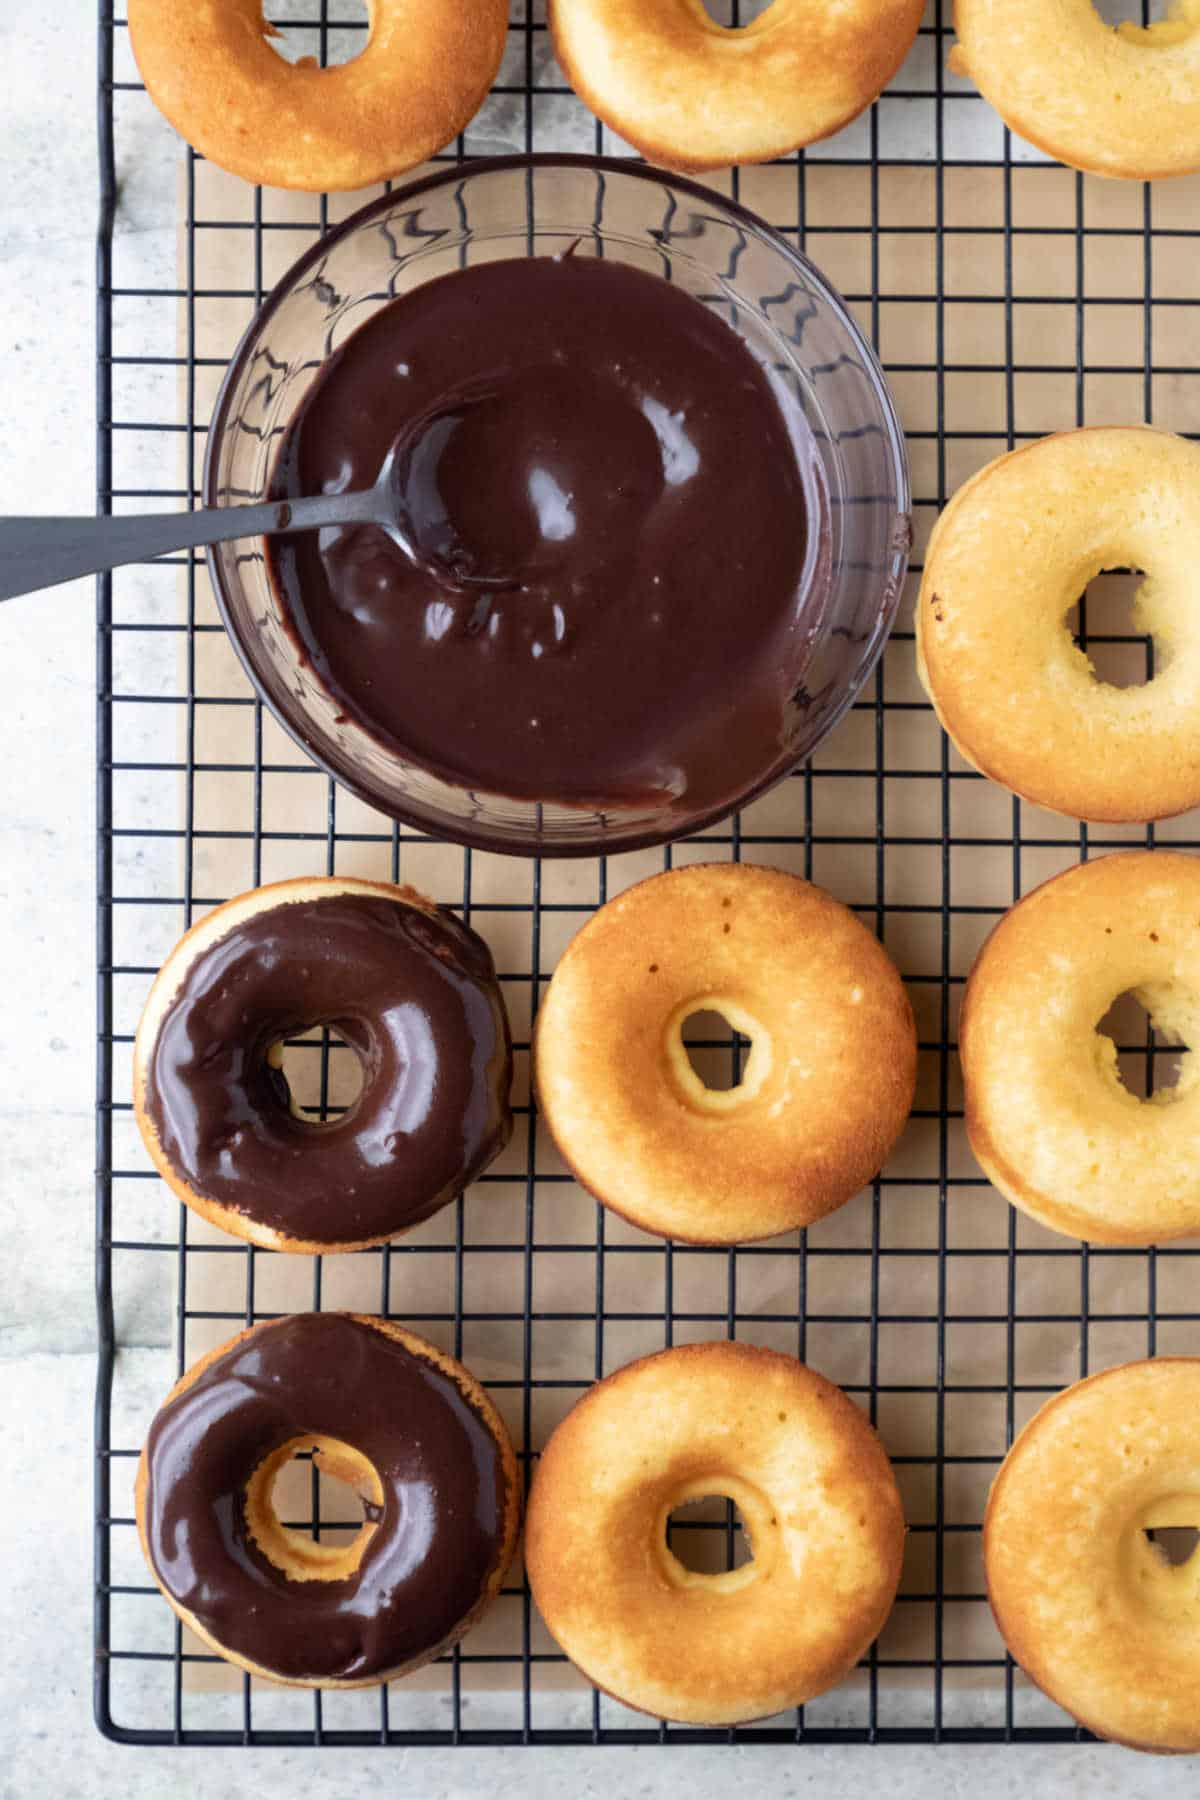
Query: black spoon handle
{"points": [[41, 552]]}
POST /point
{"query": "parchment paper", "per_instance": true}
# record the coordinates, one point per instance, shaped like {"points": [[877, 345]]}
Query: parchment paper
{"points": [[1074, 301]]}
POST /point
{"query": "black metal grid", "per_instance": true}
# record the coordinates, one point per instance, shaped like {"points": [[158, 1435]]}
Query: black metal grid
{"points": [[1008, 298]]}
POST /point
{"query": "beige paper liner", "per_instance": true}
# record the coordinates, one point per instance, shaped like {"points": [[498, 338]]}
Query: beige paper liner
{"points": [[977, 339]]}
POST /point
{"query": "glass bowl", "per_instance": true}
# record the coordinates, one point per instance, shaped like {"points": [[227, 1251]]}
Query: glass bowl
{"points": [[782, 306]]}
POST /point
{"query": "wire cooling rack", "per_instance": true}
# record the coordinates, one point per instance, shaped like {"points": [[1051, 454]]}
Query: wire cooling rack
{"points": [[1008, 297]]}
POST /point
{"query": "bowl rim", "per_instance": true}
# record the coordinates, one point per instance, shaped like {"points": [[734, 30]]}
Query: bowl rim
{"points": [[604, 842]]}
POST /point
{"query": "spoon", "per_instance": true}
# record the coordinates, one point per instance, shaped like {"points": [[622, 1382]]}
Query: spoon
{"points": [[42, 552]]}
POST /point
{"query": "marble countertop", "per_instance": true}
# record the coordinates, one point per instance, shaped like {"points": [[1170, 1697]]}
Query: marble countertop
{"points": [[48, 1744]]}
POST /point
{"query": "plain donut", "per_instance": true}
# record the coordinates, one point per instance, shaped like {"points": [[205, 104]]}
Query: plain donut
{"points": [[1089, 1606], [424, 72], [1008, 558], [1122, 101], [1048, 1116], [690, 94], [826, 1088], [818, 1499]]}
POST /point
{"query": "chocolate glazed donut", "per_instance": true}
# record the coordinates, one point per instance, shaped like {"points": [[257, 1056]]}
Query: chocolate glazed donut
{"points": [[381, 1408], [410, 988]]}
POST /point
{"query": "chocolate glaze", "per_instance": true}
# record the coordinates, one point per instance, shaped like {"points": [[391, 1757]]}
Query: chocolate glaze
{"points": [[442, 1524], [415, 995], [612, 452]]}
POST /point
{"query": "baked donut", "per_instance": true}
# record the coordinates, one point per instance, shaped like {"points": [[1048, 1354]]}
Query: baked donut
{"points": [[423, 73], [1113, 100], [1047, 1114], [826, 1088], [1088, 1603], [691, 94], [1008, 558], [387, 1413], [818, 1501], [409, 987]]}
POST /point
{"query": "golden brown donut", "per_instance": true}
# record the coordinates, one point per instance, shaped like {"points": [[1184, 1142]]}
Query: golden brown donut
{"points": [[826, 1088], [820, 1507], [384, 1411], [1119, 100], [424, 71], [1048, 1117], [1090, 1607], [691, 94], [413, 992], [1008, 559]]}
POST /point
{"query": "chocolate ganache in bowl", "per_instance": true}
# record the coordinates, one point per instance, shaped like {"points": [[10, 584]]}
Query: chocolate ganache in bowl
{"points": [[651, 476]]}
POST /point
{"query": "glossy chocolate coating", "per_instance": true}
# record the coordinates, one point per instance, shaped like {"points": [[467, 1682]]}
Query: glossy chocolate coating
{"points": [[415, 995], [442, 1524], [608, 446]]}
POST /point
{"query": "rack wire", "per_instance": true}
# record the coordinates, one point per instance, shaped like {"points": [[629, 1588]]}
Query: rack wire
{"points": [[1007, 297]]}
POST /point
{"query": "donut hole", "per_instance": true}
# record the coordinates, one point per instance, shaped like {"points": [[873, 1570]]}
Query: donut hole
{"points": [[716, 1051], [1177, 1544], [708, 1536], [318, 1076], [310, 1500], [1149, 1062], [1104, 627], [313, 1506], [1143, 21], [305, 32], [735, 15]]}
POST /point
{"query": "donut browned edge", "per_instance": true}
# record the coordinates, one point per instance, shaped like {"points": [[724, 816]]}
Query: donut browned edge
{"points": [[476, 1397], [665, 158], [1017, 1648], [1027, 125], [1010, 1183], [695, 1237], [1047, 799], [753, 1357], [242, 106]]}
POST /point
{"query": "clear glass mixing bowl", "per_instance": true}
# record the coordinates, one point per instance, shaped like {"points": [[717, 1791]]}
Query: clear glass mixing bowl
{"points": [[780, 304]]}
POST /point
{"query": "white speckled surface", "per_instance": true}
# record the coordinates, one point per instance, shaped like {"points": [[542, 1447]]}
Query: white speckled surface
{"points": [[48, 1744]]}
